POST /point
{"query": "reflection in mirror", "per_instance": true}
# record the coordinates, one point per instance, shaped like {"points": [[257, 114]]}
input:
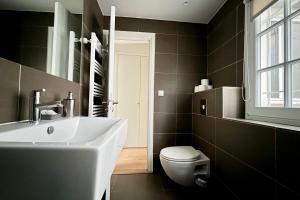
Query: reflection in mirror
{"points": [[44, 35]]}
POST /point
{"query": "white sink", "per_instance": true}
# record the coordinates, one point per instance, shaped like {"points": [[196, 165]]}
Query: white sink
{"points": [[75, 162]]}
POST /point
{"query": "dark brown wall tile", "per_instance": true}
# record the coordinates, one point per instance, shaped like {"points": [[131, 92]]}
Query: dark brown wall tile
{"points": [[191, 45], [164, 123], [222, 57], [183, 139], [239, 73], [9, 90], [186, 82], [239, 178], [225, 44], [184, 103], [224, 77], [166, 103], [84, 105], [221, 14], [166, 43], [240, 17], [287, 156], [161, 141], [189, 64], [223, 32], [240, 46], [56, 89], [165, 63], [192, 29], [219, 103], [204, 127], [166, 82], [158, 26], [34, 56], [250, 143], [184, 123], [127, 24], [284, 193], [34, 35]]}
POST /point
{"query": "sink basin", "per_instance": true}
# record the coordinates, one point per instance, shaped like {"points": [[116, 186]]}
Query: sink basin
{"points": [[65, 159]]}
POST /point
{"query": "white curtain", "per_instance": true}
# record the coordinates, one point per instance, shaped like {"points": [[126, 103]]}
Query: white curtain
{"points": [[258, 6], [246, 67]]}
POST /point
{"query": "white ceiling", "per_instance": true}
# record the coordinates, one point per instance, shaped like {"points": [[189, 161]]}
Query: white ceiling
{"points": [[75, 6], [197, 11]]}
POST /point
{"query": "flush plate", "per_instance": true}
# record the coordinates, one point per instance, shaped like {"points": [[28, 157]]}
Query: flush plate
{"points": [[203, 107]]}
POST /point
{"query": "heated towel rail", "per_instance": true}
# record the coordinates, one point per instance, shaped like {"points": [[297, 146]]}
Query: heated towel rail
{"points": [[97, 79]]}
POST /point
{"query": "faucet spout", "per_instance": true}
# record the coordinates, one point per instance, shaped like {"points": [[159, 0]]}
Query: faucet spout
{"points": [[55, 104], [37, 106]]}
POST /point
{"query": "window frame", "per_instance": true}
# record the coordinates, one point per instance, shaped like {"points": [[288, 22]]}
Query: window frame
{"points": [[281, 115]]}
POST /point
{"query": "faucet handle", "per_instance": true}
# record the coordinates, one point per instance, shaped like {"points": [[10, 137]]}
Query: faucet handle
{"points": [[40, 90]]}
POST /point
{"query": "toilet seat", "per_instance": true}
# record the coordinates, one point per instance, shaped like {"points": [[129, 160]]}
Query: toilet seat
{"points": [[180, 154]]}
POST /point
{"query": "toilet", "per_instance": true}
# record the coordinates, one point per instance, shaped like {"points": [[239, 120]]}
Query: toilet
{"points": [[185, 165]]}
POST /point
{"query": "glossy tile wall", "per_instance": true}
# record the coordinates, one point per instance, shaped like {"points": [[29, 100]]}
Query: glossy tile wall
{"points": [[180, 63], [30, 32], [225, 35], [252, 161], [16, 84]]}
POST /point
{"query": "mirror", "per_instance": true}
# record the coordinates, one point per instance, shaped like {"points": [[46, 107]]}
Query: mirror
{"points": [[43, 34]]}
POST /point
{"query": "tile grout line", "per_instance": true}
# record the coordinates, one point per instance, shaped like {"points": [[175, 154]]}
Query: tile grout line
{"points": [[247, 164], [275, 153], [176, 100], [236, 41], [215, 132], [226, 186], [224, 43], [227, 66], [19, 93], [180, 54], [239, 160]]}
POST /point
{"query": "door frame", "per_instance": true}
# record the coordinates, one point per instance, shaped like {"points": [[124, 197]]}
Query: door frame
{"points": [[138, 36]]}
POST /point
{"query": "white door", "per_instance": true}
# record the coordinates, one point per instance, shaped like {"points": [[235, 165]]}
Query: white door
{"points": [[111, 64], [132, 90]]}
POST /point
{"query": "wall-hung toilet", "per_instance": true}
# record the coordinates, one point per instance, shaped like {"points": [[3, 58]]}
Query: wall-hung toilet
{"points": [[185, 165]]}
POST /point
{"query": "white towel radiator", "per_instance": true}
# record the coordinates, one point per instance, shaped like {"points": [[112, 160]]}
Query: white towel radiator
{"points": [[97, 79]]}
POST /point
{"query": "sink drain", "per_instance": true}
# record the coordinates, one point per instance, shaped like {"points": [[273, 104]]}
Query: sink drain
{"points": [[50, 130]]}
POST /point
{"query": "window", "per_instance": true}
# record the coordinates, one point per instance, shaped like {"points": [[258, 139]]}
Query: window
{"points": [[274, 63]]}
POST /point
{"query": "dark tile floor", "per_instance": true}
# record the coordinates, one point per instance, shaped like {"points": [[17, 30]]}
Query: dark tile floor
{"points": [[158, 186]]}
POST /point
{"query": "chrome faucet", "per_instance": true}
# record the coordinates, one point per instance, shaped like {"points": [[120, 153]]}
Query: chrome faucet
{"points": [[37, 106]]}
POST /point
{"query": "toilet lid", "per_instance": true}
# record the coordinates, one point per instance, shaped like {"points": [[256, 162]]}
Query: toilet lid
{"points": [[180, 153]]}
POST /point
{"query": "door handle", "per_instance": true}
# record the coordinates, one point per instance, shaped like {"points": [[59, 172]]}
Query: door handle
{"points": [[115, 102], [107, 102]]}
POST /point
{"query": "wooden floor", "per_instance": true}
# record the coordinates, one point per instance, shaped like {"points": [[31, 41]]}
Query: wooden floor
{"points": [[132, 161]]}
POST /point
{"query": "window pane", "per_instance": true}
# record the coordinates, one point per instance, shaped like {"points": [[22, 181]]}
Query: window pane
{"points": [[296, 85], [272, 88], [295, 5], [271, 16], [295, 38], [271, 50]]}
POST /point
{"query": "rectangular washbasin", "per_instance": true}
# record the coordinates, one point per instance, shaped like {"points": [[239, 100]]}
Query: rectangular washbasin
{"points": [[65, 159]]}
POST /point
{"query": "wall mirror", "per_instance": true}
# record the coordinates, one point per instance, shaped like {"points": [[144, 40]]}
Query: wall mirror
{"points": [[43, 34]]}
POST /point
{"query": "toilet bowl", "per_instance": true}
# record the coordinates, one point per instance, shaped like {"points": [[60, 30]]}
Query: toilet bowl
{"points": [[185, 165]]}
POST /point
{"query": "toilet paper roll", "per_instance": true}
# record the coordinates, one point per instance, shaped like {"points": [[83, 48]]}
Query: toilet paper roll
{"points": [[204, 82], [202, 88], [209, 87], [196, 89]]}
